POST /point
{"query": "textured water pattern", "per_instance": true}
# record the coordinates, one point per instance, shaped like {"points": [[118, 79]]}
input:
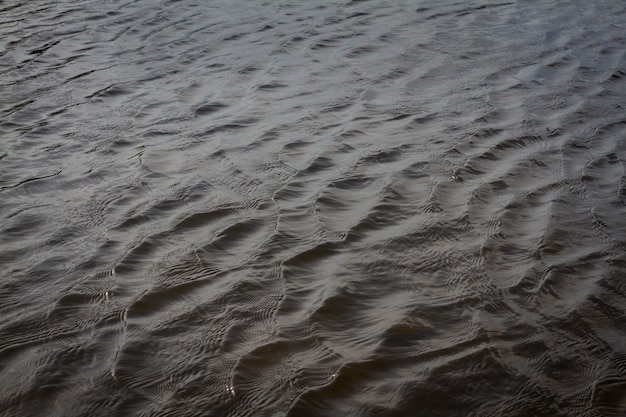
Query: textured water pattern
{"points": [[312, 208]]}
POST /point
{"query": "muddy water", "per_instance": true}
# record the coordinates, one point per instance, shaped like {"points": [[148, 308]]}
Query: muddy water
{"points": [[285, 208]]}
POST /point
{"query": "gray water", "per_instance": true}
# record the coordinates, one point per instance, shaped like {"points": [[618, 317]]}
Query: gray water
{"points": [[312, 208]]}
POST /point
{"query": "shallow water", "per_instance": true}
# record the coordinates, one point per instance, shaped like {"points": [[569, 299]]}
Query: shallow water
{"points": [[284, 208]]}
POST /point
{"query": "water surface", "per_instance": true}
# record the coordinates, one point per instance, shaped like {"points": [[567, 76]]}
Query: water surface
{"points": [[312, 208]]}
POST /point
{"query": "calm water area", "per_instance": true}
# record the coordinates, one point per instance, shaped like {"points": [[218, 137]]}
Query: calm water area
{"points": [[312, 208]]}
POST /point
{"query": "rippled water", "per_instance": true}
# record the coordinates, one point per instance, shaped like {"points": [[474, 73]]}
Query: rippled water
{"points": [[312, 208]]}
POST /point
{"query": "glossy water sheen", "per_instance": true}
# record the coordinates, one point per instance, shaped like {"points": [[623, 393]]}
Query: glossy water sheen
{"points": [[312, 208]]}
